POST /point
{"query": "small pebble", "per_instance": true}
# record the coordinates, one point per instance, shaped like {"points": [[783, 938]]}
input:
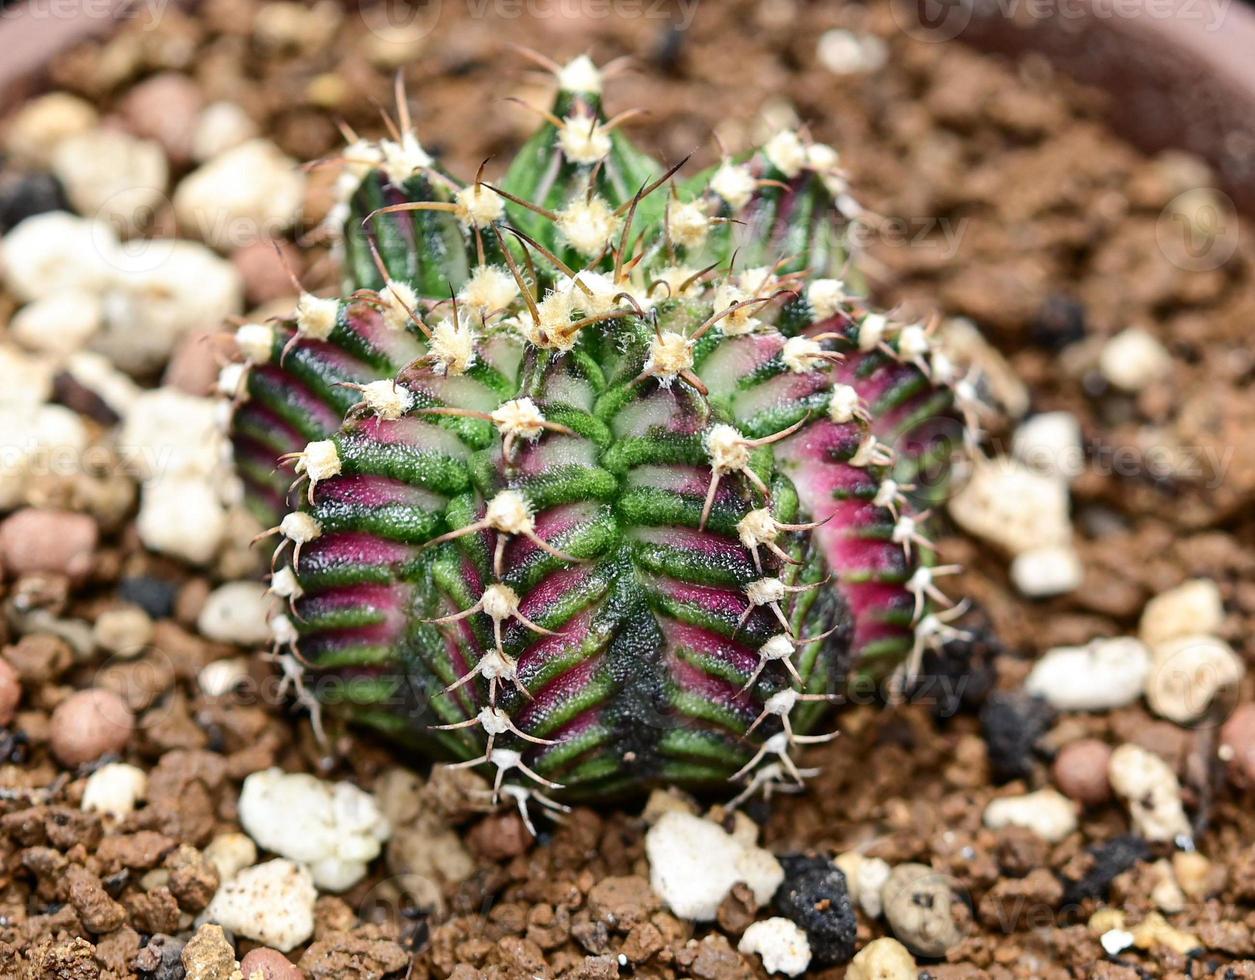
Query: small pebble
{"points": [[1188, 675], [221, 677], [153, 595], [883, 959], [209, 955], [231, 853], [334, 828], [919, 905], [694, 863], [263, 963], [1047, 813], [169, 433], [1195, 873], [266, 267], [782, 946], [237, 612], [58, 325], [1103, 674], [1109, 860], [1013, 506], [1237, 744], [1192, 608], [42, 124], [53, 252], [865, 877], [56, 541], [10, 692], [815, 895], [115, 789], [1133, 359], [1167, 894], [192, 368], [1049, 571], [846, 53], [1012, 722], [25, 195], [1155, 931], [250, 192], [123, 630], [111, 175], [182, 517], [221, 126], [89, 724], [1080, 771], [164, 108], [271, 903], [1149, 787], [1051, 443]]}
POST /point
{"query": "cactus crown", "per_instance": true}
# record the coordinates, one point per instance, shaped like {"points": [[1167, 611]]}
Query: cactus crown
{"points": [[604, 478]]}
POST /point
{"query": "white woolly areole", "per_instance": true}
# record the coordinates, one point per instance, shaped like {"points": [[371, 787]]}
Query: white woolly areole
{"points": [[782, 702], [583, 140], [591, 292], [821, 157], [452, 346], [588, 225], [489, 289], [844, 404], [494, 721], [387, 399], [398, 301], [231, 379], [727, 449], [734, 183], [580, 75], [316, 316], [497, 666], [669, 354], [255, 341], [765, 590], [779, 647], [757, 527], [284, 584], [800, 354], [283, 631], [500, 601], [738, 322], [320, 460], [553, 328], [519, 417], [677, 276], [509, 513], [826, 297], [505, 759], [872, 331], [401, 160], [913, 342], [360, 157], [299, 527], [478, 205], [786, 153], [687, 223]]}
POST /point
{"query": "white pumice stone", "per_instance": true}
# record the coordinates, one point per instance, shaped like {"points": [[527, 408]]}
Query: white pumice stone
{"points": [[846, 53], [782, 946], [221, 126], [236, 613], [1188, 673], [1049, 571], [169, 433], [864, 878], [1104, 674], [1150, 789], [1051, 443], [1191, 609], [56, 251], [113, 176], [334, 828], [58, 325], [114, 789], [1012, 506], [220, 677], [1133, 359], [44, 123], [181, 516], [1047, 813], [248, 192], [694, 863], [271, 903], [97, 373]]}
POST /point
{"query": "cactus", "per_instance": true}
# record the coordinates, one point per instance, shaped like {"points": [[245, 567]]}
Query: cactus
{"points": [[604, 478]]}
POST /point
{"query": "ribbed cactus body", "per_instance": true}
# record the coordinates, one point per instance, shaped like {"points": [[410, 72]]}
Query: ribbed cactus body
{"points": [[599, 477]]}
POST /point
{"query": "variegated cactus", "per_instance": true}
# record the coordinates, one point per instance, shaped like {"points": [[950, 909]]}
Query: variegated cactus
{"points": [[605, 479]]}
